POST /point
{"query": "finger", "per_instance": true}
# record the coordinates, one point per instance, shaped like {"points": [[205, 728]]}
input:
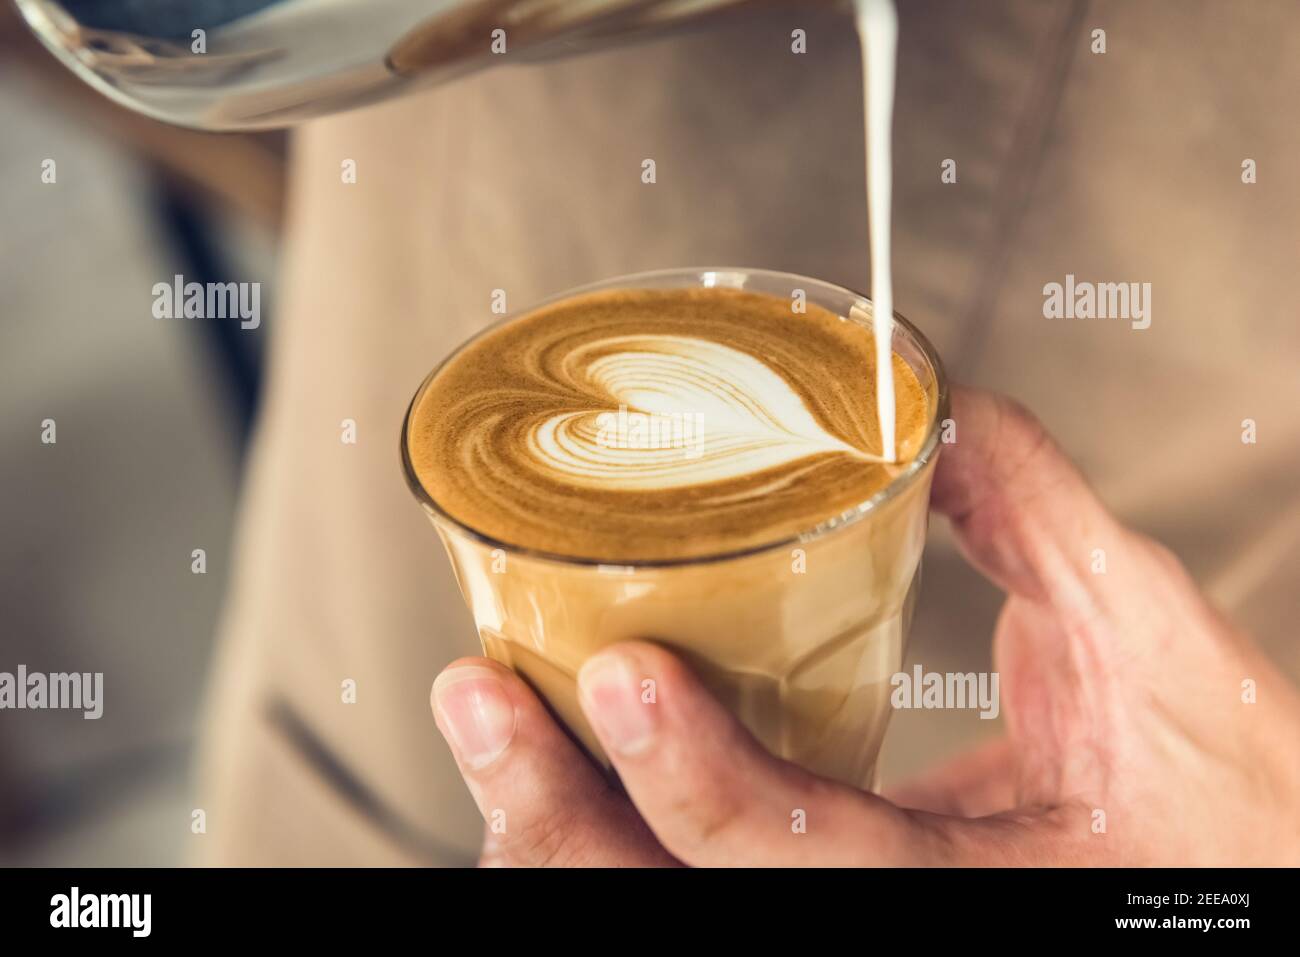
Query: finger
{"points": [[1022, 512], [545, 804], [714, 797], [976, 783]]}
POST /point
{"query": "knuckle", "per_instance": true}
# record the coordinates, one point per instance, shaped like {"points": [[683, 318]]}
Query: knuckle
{"points": [[1016, 416], [701, 819], [1020, 430], [545, 840]]}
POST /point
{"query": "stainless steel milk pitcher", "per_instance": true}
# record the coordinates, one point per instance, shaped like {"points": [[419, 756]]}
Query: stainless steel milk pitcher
{"points": [[249, 64]]}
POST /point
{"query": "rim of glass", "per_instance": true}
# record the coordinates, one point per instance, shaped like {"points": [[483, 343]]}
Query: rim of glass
{"points": [[733, 277]]}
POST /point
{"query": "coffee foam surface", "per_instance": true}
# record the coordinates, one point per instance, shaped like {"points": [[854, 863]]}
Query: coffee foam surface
{"points": [[653, 424]]}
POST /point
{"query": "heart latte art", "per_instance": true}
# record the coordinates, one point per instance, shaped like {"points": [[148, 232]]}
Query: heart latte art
{"points": [[652, 424]]}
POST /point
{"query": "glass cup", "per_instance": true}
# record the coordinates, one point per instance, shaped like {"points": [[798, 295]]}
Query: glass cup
{"points": [[799, 638]]}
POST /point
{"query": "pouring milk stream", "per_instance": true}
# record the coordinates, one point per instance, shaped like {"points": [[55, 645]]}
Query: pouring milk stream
{"points": [[877, 23]]}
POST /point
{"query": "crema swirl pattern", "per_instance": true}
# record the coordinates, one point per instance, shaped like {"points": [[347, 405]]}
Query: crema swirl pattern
{"points": [[652, 424]]}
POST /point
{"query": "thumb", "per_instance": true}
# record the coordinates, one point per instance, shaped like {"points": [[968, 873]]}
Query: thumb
{"points": [[713, 796], [1026, 518]]}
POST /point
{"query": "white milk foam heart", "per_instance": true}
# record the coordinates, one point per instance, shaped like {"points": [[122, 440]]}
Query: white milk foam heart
{"points": [[690, 411]]}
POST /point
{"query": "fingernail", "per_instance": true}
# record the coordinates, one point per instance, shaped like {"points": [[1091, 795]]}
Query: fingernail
{"points": [[612, 696], [476, 715]]}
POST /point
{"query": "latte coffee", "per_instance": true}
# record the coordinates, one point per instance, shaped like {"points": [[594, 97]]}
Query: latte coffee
{"points": [[692, 458]]}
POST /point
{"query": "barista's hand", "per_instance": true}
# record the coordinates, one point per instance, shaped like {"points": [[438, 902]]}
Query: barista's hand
{"points": [[1129, 741]]}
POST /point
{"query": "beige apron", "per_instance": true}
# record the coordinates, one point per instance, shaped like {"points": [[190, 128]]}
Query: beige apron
{"points": [[1117, 167]]}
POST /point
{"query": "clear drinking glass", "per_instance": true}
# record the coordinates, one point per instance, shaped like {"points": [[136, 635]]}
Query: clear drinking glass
{"points": [[798, 637]]}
